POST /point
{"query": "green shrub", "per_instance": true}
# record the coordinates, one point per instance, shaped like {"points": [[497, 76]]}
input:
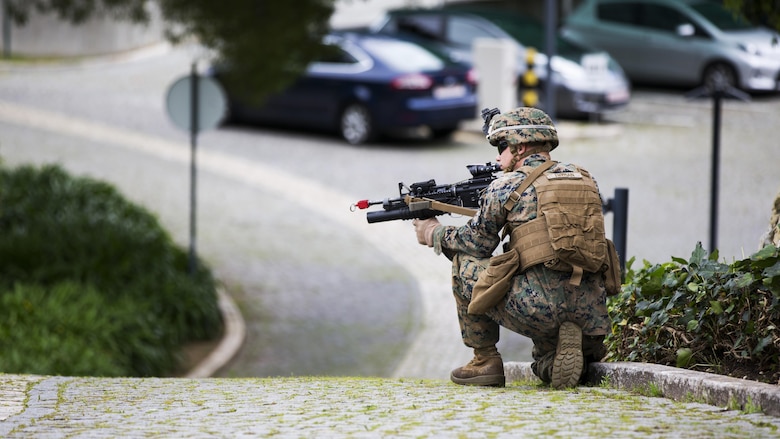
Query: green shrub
{"points": [[70, 329], [58, 229], [701, 314]]}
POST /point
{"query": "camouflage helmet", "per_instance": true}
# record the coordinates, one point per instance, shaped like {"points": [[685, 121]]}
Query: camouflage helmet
{"points": [[522, 125]]}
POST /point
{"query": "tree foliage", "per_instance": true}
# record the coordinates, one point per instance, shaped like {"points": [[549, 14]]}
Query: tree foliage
{"points": [[766, 12], [266, 43]]}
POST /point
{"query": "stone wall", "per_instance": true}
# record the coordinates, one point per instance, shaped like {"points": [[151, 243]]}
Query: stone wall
{"points": [[47, 35]]}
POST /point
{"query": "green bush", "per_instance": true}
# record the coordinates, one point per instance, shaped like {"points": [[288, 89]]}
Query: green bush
{"points": [[63, 235], [701, 314]]}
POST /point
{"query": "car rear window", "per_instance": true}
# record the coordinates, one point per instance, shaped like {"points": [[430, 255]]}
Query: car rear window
{"points": [[402, 55], [425, 26]]}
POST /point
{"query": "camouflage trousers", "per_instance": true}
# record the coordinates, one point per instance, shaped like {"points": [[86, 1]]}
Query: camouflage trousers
{"points": [[537, 303]]}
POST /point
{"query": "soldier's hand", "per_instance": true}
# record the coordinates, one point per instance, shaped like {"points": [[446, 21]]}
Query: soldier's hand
{"points": [[424, 230]]}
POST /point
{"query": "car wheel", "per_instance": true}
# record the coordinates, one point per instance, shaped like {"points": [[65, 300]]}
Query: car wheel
{"points": [[355, 124], [719, 73]]}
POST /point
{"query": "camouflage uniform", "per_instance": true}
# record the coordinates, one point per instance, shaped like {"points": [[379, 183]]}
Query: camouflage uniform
{"points": [[772, 235], [540, 299]]}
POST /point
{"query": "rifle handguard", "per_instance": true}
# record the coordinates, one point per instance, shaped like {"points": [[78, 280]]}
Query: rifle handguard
{"points": [[415, 203]]}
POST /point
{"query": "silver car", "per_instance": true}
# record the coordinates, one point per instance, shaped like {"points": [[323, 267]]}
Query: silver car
{"points": [[679, 42]]}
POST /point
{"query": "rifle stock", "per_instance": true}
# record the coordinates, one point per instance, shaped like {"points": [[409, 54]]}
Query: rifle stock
{"points": [[426, 199]]}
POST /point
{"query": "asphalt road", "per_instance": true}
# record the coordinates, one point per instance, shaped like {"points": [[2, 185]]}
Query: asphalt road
{"points": [[324, 293]]}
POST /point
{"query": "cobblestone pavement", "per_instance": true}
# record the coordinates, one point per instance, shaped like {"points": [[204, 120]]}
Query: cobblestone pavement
{"points": [[410, 403], [305, 407]]}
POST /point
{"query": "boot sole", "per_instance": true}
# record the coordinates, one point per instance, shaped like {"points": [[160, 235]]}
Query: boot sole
{"points": [[482, 380], [568, 362]]}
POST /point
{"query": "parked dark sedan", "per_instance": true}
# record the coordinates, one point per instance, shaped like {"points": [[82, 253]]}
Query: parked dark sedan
{"points": [[371, 85], [587, 82]]}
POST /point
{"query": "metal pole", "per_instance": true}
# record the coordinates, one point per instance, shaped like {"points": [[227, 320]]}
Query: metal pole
{"points": [[620, 225], [193, 176], [619, 208], [551, 20], [717, 96], [6, 31]]}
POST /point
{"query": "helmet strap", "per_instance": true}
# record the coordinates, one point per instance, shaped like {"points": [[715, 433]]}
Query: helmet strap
{"points": [[516, 156]]}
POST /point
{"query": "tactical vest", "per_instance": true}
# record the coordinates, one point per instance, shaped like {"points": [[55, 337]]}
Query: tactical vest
{"points": [[568, 231]]}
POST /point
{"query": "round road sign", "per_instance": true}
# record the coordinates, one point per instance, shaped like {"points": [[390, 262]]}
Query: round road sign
{"points": [[212, 103]]}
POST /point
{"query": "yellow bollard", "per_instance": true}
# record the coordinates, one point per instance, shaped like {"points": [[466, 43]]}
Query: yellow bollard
{"points": [[530, 96]]}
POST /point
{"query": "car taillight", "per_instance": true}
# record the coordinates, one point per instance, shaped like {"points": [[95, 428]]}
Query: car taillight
{"points": [[472, 77], [412, 81]]}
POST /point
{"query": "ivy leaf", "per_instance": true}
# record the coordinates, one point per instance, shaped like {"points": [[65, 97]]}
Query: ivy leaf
{"points": [[675, 298], [744, 280], [698, 255], [764, 258], [773, 284], [714, 255], [768, 251], [684, 356], [692, 325], [715, 307], [772, 271], [764, 342]]}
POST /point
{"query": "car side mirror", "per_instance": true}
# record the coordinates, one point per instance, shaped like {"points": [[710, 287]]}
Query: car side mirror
{"points": [[685, 30]]}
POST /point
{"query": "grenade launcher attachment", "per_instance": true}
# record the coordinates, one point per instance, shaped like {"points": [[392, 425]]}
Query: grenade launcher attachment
{"points": [[426, 199]]}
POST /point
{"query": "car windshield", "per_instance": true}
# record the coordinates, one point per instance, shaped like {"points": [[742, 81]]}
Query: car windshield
{"points": [[721, 17], [403, 56]]}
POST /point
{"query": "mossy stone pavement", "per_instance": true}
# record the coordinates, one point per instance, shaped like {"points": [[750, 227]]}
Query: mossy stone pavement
{"points": [[66, 407]]}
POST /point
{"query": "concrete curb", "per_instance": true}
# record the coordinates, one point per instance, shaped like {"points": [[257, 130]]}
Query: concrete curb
{"points": [[674, 383], [232, 339]]}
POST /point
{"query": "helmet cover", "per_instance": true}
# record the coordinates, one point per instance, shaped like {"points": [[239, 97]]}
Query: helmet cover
{"points": [[522, 125]]}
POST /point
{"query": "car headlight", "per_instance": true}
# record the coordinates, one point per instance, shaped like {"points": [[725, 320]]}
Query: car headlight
{"points": [[750, 48]]}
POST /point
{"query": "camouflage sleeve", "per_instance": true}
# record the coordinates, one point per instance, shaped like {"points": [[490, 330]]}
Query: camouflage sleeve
{"points": [[479, 237]]}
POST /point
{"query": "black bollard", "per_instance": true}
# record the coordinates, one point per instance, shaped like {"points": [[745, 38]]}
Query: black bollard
{"points": [[619, 208]]}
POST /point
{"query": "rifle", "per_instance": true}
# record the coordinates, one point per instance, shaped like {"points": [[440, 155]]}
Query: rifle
{"points": [[426, 199]]}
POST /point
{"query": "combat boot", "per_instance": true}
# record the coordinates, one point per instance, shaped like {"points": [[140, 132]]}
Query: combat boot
{"points": [[569, 361], [485, 369]]}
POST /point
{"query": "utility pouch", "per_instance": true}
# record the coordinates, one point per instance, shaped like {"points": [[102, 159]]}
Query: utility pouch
{"points": [[613, 278], [494, 281]]}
